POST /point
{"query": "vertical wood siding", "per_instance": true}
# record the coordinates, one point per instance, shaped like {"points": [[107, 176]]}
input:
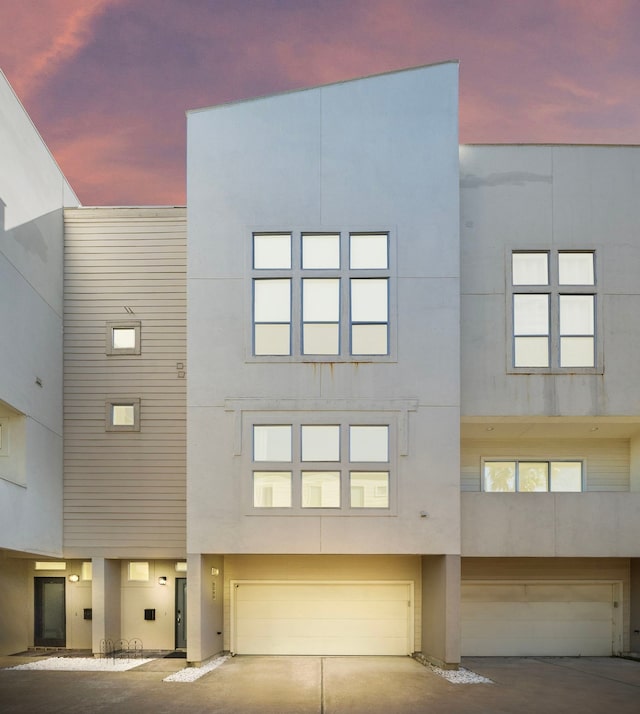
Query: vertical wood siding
{"points": [[124, 492]]}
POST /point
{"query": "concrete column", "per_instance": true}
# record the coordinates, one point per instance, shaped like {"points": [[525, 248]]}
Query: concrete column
{"points": [[441, 610], [105, 602], [205, 578]]}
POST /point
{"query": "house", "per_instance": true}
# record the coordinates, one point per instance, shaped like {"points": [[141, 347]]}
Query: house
{"points": [[408, 421]]}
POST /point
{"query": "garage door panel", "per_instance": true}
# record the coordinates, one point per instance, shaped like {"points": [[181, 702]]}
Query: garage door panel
{"points": [[322, 618], [540, 619]]}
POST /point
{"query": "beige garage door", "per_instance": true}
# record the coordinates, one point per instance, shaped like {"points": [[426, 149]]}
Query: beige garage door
{"points": [[527, 619], [320, 618]]}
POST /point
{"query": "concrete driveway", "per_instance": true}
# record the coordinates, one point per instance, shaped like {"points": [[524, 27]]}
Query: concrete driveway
{"points": [[334, 685]]}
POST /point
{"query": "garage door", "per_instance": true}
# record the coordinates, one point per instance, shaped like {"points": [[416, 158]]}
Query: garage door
{"points": [[521, 619], [320, 618]]}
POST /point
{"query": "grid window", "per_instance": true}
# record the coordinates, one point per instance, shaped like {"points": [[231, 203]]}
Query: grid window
{"points": [[531, 476], [321, 296], [319, 473], [553, 329]]}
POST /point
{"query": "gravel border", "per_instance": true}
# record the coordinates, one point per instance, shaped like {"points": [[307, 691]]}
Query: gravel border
{"points": [[190, 674], [455, 676], [83, 664]]}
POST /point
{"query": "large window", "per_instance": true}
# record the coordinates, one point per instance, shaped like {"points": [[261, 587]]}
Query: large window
{"points": [[321, 296], [553, 305], [531, 475], [321, 466]]}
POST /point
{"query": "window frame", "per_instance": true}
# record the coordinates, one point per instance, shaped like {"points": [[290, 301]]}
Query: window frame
{"points": [[533, 459], [297, 466], [112, 325], [554, 290], [296, 274], [122, 401]]}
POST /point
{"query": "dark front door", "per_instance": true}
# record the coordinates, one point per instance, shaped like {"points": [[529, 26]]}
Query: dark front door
{"points": [[50, 620], [181, 613]]}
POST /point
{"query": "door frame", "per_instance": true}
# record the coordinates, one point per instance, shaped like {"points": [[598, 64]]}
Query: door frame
{"points": [[38, 604]]}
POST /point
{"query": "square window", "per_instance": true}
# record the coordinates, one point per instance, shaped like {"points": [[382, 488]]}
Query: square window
{"points": [[533, 476], [576, 268], [321, 489], [320, 252], [320, 443], [123, 338], [138, 571], [368, 251], [123, 414], [272, 443], [500, 476], [272, 251], [272, 489], [369, 443], [530, 268], [369, 489], [566, 476]]}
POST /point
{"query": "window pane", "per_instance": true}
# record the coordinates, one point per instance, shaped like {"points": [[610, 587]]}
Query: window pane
{"points": [[530, 314], [531, 352], [369, 300], [369, 489], [321, 489], [566, 476], [272, 340], [530, 268], [124, 338], [321, 443], [577, 352], [369, 251], [272, 251], [321, 339], [320, 252], [575, 269], [320, 300], [272, 489], [576, 315], [533, 476], [272, 300], [272, 443], [369, 340], [500, 476], [139, 571], [122, 414], [368, 443]]}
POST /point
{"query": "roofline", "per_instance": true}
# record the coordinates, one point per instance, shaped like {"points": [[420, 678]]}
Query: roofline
{"points": [[320, 86]]}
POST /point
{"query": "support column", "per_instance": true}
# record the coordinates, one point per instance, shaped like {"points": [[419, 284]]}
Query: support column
{"points": [[105, 602], [441, 610], [205, 579]]}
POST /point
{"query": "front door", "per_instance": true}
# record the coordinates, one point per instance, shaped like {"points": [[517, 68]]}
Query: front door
{"points": [[50, 619], [181, 613]]}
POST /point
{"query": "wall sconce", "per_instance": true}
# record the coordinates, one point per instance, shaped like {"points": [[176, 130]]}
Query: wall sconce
{"points": [[162, 580], [215, 571], [74, 578]]}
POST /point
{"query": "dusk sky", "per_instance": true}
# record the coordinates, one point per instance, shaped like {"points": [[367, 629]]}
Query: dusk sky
{"points": [[107, 82]]}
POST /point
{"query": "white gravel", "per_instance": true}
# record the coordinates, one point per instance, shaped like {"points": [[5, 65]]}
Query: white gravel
{"points": [[190, 674], [460, 676], [83, 664]]}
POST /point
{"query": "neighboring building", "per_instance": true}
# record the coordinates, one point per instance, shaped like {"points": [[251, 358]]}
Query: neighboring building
{"points": [[397, 434]]}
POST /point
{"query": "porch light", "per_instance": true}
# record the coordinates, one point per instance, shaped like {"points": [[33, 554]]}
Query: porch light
{"points": [[162, 580], [74, 578]]}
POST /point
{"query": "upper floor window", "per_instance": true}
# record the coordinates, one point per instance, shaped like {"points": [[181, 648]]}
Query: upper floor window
{"points": [[122, 414], [532, 475], [553, 310], [326, 466], [321, 296], [123, 337]]}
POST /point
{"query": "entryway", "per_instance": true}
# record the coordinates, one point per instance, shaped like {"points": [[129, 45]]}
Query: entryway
{"points": [[50, 622], [181, 613]]}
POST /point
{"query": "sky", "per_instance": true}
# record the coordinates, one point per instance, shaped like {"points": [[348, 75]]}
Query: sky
{"points": [[107, 82]]}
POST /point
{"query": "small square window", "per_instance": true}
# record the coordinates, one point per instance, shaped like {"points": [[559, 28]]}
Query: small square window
{"points": [[321, 489], [369, 489], [122, 414], [123, 338], [320, 252], [500, 476], [530, 268], [576, 268], [320, 443], [369, 443], [369, 251], [272, 443], [138, 571]]}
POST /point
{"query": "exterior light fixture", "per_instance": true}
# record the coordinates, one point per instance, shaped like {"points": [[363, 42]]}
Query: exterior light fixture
{"points": [[162, 580], [74, 578]]}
